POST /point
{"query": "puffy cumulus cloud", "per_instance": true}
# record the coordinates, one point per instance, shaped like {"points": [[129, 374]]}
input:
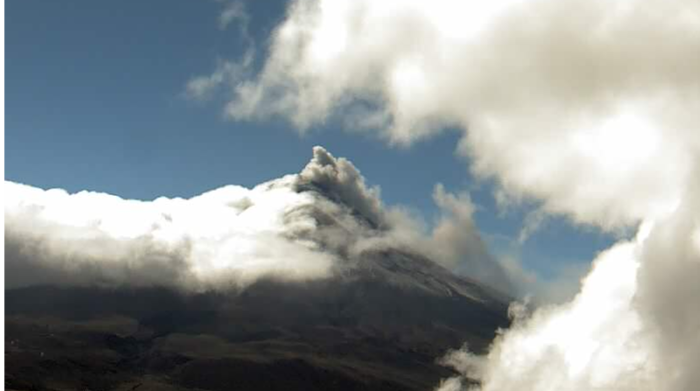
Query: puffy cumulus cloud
{"points": [[303, 226], [552, 95], [590, 343]]}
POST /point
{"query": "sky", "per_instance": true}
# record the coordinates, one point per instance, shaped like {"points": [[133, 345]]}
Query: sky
{"points": [[548, 143], [97, 99]]}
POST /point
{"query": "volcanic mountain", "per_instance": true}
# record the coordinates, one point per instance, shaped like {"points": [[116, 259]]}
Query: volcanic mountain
{"points": [[377, 319]]}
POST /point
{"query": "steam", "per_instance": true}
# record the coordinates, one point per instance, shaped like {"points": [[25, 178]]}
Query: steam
{"points": [[590, 108], [297, 228]]}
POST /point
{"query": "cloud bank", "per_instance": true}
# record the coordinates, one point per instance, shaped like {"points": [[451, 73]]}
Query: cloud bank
{"points": [[299, 227], [228, 235], [590, 108]]}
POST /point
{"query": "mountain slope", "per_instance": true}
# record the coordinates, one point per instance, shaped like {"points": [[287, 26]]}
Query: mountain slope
{"points": [[377, 319], [378, 328]]}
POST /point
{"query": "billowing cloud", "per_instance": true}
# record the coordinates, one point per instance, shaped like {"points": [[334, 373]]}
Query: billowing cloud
{"points": [[668, 294], [633, 326], [302, 226], [231, 235], [551, 94], [589, 108]]}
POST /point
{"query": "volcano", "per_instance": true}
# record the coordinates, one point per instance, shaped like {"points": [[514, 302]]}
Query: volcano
{"points": [[378, 320]]}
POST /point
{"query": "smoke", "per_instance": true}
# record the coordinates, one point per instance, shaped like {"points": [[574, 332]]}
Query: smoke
{"points": [[339, 180], [305, 226], [589, 108]]}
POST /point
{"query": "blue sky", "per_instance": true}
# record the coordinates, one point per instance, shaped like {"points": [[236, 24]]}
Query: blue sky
{"points": [[95, 100]]}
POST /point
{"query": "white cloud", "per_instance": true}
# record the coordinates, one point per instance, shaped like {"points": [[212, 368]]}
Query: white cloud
{"points": [[234, 11], [227, 73], [551, 104], [294, 228], [532, 222], [668, 294], [590, 340], [633, 326], [230, 236]]}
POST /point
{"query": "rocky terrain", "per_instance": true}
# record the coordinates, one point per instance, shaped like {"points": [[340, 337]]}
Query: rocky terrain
{"points": [[380, 328]]}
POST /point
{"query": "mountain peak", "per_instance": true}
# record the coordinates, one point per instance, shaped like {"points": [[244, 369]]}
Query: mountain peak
{"points": [[340, 181]]}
